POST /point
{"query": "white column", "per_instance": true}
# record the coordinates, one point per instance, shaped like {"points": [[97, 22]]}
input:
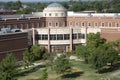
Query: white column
{"points": [[85, 35], [48, 40], [71, 40], [33, 35]]}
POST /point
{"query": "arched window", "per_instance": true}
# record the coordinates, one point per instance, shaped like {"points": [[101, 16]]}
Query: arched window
{"points": [[82, 24], [70, 23], [76, 24], [50, 24], [57, 24], [102, 24], [95, 24], [89, 24], [50, 14], [109, 24], [117, 24]]}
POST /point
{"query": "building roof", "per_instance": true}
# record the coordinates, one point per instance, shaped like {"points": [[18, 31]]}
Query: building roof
{"points": [[76, 14], [55, 5]]}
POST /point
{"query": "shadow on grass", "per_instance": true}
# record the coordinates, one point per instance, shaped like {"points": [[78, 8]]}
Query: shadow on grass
{"points": [[72, 75], [110, 68], [30, 70]]}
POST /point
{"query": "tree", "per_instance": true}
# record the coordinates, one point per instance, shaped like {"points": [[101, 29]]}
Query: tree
{"points": [[103, 55], [28, 58], [116, 46], [44, 74], [93, 42], [82, 52], [37, 51], [62, 64], [8, 68]]}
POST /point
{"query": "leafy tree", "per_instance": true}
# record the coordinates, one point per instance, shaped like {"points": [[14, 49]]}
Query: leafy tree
{"points": [[37, 51], [8, 68], [13, 5], [82, 51], [102, 55], [44, 74], [28, 58], [93, 42], [62, 64]]}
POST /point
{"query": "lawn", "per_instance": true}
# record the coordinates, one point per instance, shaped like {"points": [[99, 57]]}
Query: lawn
{"points": [[80, 71]]}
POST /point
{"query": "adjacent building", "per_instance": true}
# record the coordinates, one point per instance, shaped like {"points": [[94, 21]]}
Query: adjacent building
{"points": [[13, 41]]}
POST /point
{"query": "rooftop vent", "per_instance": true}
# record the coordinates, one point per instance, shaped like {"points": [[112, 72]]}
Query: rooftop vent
{"points": [[22, 16], [116, 15], [90, 15], [5, 30], [15, 30]]}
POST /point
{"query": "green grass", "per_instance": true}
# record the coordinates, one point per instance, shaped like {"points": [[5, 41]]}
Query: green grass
{"points": [[80, 71]]}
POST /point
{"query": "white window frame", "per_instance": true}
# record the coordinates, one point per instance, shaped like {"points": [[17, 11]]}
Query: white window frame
{"points": [[49, 24], [76, 24], [95, 24], [102, 24], [117, 24], [109, 24], [57, 24], [82, 24], [89, 24]]}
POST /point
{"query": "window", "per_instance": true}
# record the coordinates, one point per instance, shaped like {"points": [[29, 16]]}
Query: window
{"points": [[109, 24], [49, 14], [45, 14], [95, 24], [70, 23], [66, 36], [56, 14], [79, 35], [76, 24], [56, 24], [89, 24], [44, 37], [37, 37], [117, 25], [53, 37], [59, 36], [82, 36], [74, 36], [83, 24], [102, 24], [50, 24]]}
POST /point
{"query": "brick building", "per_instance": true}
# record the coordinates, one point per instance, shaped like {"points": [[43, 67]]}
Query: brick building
{"points": [[60, 30], [14, 42]]}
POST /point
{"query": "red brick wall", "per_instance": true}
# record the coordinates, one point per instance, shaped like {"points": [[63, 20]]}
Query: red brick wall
{"points": [[15, 43], [110, 34]]}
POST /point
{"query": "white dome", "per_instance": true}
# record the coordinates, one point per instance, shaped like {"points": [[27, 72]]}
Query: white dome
{"points": [[54, 10]]}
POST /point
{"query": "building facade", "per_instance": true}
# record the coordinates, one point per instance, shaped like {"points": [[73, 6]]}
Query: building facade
{"points": [[15, 43], [60, 30]]}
